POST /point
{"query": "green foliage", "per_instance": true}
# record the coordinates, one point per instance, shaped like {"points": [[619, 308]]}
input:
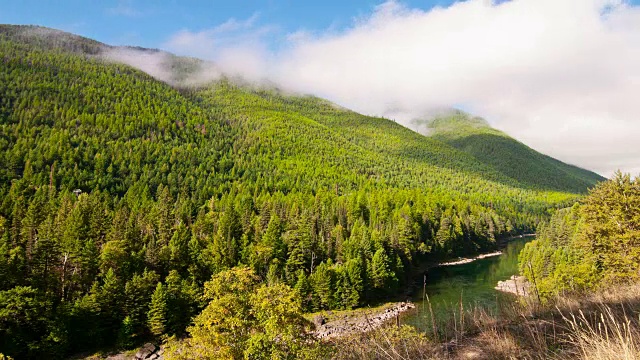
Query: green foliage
{"points": [[612, 227], [157, 316], [244, 319], [507, 155], [127, 334], [182, 300], [113, 184], [594, 243], [323, 286], [138, 296], [381, 275], [22, 321]]}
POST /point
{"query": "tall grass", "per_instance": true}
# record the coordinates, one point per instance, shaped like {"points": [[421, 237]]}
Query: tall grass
{"points": [[606, 336], [602, 325]]}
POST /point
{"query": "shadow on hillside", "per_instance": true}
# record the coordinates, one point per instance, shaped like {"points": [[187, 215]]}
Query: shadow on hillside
{"points": [[514, 163]]}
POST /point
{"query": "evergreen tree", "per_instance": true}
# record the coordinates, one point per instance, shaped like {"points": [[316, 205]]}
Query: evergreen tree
{"points": [[323, 282], [157, 315], [304, 290], [138, 293], [381, 275], [127, 334], [109, 298]]}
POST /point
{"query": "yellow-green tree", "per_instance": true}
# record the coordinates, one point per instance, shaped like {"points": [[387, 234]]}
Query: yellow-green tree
{"points": [[591, 244], [245, 319], [157, 316]]}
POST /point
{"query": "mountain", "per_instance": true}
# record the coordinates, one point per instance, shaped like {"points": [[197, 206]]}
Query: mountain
{"points": [[506, 155], [121, 191]]}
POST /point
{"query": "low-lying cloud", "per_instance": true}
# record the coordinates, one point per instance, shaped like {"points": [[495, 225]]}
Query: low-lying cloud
{"points": [[561, 76], [165, 66]]}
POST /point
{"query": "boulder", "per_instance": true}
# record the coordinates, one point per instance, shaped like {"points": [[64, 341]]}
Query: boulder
{"points": [[319, 320], [145, 351]]}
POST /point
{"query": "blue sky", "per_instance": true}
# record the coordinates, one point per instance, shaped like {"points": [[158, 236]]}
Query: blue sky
{"points": [[150, 23]]}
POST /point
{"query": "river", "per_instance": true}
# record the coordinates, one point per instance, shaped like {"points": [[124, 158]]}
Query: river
{"points": [[473, 283]]}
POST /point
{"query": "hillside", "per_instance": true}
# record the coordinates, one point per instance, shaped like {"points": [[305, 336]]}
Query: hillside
{"points": [[122, 195], [590, 245], [506, 155]]}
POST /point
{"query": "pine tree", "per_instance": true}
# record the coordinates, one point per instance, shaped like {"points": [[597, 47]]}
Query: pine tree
{"points": [[303, 288], [157, 315], [138, 292], [109, 297], [127, 334], [182, 300], [225, 242], [179, 248], [354, 271], [323, 283], [381, 275]]}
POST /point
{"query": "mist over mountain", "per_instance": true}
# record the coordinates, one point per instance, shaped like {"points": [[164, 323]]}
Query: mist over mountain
{"points": [[556, 76], [472, 135], [125, 195]]}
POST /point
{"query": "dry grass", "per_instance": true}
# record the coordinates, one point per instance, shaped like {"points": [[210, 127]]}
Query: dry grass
{"points": [[609, 336], [602, 325], [387, 343]]}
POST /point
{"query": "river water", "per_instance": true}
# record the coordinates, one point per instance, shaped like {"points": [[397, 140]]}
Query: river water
{"points": [[471, 284]]}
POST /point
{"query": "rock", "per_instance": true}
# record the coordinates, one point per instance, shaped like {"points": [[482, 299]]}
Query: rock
{"points": [[146, 351], [118, 357], [363, 323], [517, 285], [319, 320]]}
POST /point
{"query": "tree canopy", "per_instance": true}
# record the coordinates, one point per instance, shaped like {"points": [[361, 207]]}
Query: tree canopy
{"points": [[594, 243]]}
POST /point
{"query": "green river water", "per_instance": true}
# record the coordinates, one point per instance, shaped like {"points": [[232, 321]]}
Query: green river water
{"points": [[472, 283]]}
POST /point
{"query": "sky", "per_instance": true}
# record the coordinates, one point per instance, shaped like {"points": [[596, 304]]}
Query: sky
{"points": [[562, 76]]}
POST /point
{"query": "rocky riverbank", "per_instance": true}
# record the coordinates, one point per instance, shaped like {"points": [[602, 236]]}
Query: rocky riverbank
{"points": [[468, 260], [421, 272], [517, 285], [362, 322]]}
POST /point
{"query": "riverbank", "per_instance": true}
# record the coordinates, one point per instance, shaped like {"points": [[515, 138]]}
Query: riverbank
{"points": [[421, 271], [598, 325], [330, 324], [517, 285], [501, 244], [468, 260]]}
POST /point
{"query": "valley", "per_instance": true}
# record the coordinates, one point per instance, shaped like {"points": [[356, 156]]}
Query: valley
{"points": [[211, 216]]}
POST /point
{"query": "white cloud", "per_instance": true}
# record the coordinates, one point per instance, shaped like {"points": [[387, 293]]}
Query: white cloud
{"points": [[563, 76], [152, 62], [161, 65], [237, 46]]}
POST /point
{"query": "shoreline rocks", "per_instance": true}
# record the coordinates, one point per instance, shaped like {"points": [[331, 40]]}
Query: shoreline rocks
{"points": [[149, 352], [469, 260], [361, 323], [517, 285]]}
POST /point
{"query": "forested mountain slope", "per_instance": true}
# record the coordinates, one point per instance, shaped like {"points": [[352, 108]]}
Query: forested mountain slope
{"points": [[506, 155], [595, 243], [122, 195]]}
